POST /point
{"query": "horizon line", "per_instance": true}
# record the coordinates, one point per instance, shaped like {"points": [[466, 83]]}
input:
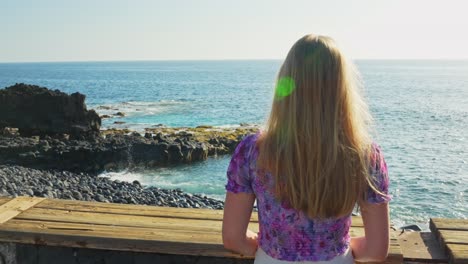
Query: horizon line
{"points": [[243, 59]]}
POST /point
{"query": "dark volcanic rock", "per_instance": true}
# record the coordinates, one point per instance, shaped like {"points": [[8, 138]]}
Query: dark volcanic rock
{"points": [[20, 181], [94, 155], [45, 129], [37, 110], [116, 151]]}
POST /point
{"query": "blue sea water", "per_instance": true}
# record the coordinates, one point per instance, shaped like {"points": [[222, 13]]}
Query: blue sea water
{"points": [[420, 110]]}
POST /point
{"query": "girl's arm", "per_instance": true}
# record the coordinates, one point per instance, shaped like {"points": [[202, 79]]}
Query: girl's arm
{"points": [[374, 245], [237, 211]]}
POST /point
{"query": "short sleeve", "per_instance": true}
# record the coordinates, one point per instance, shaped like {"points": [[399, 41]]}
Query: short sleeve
{"points": [[379, 176], [238, 173]]}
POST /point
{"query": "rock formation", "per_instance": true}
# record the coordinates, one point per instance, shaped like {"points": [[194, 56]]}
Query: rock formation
{"points": [[117, 151], [37, 110], [45, 129]]}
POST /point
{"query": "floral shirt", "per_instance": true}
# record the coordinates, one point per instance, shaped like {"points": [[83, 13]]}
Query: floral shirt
{"points": [[288, 234]]}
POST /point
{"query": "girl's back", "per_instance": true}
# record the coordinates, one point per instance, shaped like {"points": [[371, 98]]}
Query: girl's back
{"points": [[310, 166], [286, 233]]}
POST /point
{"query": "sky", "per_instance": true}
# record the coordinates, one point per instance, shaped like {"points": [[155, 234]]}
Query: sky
{"points": [[108, 30]]}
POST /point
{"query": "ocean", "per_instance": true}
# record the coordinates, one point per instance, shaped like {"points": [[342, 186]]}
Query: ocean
{"points": [[420, 110]]}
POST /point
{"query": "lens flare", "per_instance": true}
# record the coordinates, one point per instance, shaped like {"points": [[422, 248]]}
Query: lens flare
{"points": [[284, 87]]}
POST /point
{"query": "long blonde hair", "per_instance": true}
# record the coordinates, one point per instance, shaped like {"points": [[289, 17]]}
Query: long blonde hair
{"points": [[316, 142]]}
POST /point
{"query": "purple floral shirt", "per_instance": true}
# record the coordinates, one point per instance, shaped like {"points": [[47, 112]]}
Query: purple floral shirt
{"points": [[288, 234]]}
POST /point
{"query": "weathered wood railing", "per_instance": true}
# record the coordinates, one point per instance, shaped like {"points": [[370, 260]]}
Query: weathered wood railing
{"points": [[37, 230]]}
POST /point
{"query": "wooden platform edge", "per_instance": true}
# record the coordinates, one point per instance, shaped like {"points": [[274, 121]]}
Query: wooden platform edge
{"points": [[119, 244], [16, 206], [447, 247], [12, 209], [395, 254]]}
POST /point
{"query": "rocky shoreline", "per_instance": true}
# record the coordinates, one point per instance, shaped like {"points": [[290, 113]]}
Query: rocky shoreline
{"points": [[66, 168], [21, 181], [45, 129], [114, 150], [52, 146]]}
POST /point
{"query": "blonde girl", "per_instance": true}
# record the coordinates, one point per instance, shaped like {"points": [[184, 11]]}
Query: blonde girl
{"points": [[309, 167]]}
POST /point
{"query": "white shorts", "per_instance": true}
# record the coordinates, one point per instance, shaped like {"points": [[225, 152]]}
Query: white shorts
{"points": [[262, 258]]}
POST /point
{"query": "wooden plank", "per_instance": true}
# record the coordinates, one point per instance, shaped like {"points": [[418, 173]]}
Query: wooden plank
{"points": [[454, 237], [421, 247], [122, 227], [41, 214], [141, 210], [357, 221], [129, 238], [449, 224], [436, 232], [394, 252], [103, 237], [16, 206], [356, 231], [145, 210], [78, 229], [3, 199], [136, 221], [458, 253]]}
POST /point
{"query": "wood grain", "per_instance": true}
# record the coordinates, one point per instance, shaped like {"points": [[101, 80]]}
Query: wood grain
{"points": [[16, 206], [421, 247], [104, 237], [453, 236], [145, 210], [458, 253], [450, 224], [128, 227], [142, 210], [203, 225]]}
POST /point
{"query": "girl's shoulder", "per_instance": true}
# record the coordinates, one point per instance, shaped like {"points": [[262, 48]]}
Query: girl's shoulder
{"points": [[379, 176], [250, 141], [376, 155]]}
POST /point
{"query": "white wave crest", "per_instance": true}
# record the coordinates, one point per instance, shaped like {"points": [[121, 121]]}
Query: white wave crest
{"points": [[139, 108]]}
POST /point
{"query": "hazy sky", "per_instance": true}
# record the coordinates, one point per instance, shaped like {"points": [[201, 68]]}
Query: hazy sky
{"points": [[83, 30]]}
